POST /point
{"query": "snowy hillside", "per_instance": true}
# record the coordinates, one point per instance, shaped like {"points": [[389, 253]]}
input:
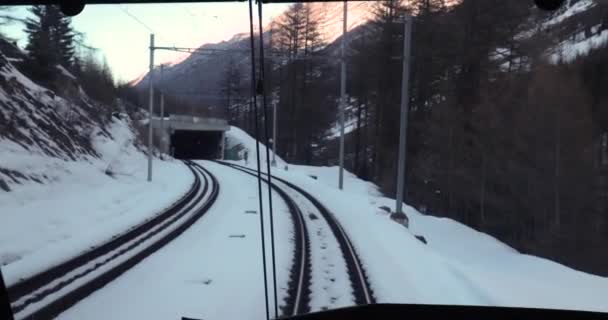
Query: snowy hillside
{"points": [[581, 27], [239, 140], [350, 121], [65, 167], [571, 49], [458, 265], [576, 28]]}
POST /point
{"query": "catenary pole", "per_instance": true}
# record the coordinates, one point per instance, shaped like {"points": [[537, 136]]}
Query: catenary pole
{"points": [[342, 95], [407, 39], [162, 111], [150, 106]]}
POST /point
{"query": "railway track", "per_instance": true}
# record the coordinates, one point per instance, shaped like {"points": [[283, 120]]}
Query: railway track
{"points": [[50, 292], [298, 301], [300, 273]]}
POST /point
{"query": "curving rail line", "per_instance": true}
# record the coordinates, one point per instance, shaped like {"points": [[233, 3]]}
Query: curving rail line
{"points": [[300, 273], [50, 292], [301, 268]]}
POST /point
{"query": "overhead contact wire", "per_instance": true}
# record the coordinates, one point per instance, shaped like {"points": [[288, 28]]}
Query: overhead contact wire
{"points": [[262, 92], [257, 147]]}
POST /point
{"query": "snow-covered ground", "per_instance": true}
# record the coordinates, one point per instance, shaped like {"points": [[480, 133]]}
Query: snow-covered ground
{"points": [[79, 205], [569, 50], [580, 45], [569, 11], [349, 126], [350, 120], [70, 178], [212, 271], [238, 137], [458, 265], [328, 176]]}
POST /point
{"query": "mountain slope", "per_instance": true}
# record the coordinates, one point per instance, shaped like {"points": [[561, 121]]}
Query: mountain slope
{"points": [[197, 79], [580, 26], [36, 121]]}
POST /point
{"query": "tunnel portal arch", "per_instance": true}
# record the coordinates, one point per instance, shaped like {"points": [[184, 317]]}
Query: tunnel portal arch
{"points": [[188, 137]]}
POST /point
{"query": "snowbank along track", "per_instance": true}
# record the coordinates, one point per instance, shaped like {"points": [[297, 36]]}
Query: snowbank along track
{"points": [[359, 282], [50, 292]]}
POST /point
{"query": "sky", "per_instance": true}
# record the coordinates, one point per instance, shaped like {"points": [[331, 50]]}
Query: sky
{"points": [[124, 41]]}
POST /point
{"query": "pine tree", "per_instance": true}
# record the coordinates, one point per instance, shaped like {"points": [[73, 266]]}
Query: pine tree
{"points": [[230, 89], [65, 38], [50, 41], [385, 104], [299, 38], [96, 78], [42, 54], [290, 27]]}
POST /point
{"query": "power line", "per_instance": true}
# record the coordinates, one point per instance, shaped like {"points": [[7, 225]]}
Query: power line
{"points": [[141, 22], [136, 19], [273, 53], [183, 6], [192, 16]]}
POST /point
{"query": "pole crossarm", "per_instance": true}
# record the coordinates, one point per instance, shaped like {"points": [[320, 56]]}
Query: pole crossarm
{"points": [[201, 50], [215, 51]]}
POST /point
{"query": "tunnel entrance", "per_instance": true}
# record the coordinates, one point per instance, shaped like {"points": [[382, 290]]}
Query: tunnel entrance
{"points": [[195, 144], [191, 137]]}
